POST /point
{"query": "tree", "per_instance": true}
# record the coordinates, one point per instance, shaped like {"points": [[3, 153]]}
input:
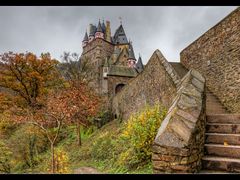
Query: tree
{"points": [[28, 80], [74, 105], [76, 69], [49, 120], [79, 104], [82, 102], [28, 77]]}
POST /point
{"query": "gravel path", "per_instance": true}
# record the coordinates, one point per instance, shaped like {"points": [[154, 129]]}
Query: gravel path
{"points": [[86, 170]]}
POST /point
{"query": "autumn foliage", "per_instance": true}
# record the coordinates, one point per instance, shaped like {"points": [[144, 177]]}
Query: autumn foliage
{"points": [[33, 91], [28, 76]]}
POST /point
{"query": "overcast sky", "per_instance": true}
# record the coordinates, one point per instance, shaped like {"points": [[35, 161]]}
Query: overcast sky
{"points": [[57, 29]]}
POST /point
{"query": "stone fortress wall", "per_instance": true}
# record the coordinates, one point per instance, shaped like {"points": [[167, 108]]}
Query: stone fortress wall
{"points": [[216, 55], [179, 144], [157, 83], [213, 61]]}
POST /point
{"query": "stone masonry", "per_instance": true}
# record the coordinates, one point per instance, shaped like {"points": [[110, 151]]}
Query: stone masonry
{"points": [[216, 55], [178, 146], [157, 83]]}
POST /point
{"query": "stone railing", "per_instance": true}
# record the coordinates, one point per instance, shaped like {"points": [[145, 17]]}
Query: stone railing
{"points": [[169, 69], [179, 144]]}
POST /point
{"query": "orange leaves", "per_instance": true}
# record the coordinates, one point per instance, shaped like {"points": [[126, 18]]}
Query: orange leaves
{"points": [[76, 103], [29, 76]]}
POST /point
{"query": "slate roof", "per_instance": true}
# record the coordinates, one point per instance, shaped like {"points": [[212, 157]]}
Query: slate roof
{"points": [[120, 36], [85, 37], [139, 65], [99, 28], [92, 30], [131, 52], [103, 27], [122, 71]]}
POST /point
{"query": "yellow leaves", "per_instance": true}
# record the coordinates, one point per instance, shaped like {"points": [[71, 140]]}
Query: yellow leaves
{"points": [[139, 132], [61, 162]]}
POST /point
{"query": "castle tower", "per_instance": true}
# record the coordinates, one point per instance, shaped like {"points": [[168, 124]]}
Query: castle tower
{"points": [[131, 56], [92, 30], [103, 27], [108, 32], [99, 32], [85, 40], [139, 65]]}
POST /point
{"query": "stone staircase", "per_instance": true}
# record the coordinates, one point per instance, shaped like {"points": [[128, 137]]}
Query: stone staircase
{"points": [[222, 143], [179, 68]]}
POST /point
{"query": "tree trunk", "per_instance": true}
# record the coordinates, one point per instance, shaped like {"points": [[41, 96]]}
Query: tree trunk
{"points": [[53, 158], [79, 134]]}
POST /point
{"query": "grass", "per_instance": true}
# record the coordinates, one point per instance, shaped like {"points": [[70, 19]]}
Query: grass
{"points": [[81, 156], [101, 149]]}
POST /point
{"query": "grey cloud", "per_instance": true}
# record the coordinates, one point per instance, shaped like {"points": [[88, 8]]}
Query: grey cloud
{"points": [[58, 29]]}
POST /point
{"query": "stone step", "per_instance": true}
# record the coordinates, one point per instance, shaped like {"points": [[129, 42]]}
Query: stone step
{"points": [[204, 171], [216, 108], [217, 138], [224, 118], [223, 128], [232, 151], [213, 105], [221, 164]]}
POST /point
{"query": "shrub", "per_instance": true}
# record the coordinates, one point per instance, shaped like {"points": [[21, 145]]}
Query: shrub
{"points": [[27, 143], [6, 125], [61, 162], [5, 158], [103, 146], [138, 134]]}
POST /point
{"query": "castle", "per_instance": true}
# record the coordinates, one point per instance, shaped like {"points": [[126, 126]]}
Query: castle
{"points": [[112, 57], [202, 94]]}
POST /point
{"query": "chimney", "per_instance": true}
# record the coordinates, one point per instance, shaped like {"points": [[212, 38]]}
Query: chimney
{"points": [[108, 31]]}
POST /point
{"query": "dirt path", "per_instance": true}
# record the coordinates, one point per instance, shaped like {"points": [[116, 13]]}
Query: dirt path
{"points": [[86, 170]]}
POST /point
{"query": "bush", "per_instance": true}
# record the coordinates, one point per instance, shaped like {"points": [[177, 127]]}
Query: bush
{"points": [[27, 144], [5, 158], [102, 147], [138, 134], [131, 147], [61, 161], [6, 125]]}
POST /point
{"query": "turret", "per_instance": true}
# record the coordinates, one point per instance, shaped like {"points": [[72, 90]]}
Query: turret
{"points": [[139, 65], [99, 32], [108, 32], [120, 36], [91, 32], [131, 56], [85, 40], [103, 27]]}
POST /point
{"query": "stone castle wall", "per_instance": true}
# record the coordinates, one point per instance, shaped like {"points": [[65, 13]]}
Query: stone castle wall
{"points": [[216, 55], [157, 83], [179, 144], [96, 52], [113, 81]]}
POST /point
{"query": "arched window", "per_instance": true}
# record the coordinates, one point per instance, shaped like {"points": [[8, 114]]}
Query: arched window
{"points": [[118, 88]]}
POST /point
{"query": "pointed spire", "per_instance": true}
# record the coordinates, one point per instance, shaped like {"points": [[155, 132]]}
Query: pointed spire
{"points": [[103, 27], [120, 36], [131, 52], [91, 30], [85, 37], [99, 28], [139, 64]]}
